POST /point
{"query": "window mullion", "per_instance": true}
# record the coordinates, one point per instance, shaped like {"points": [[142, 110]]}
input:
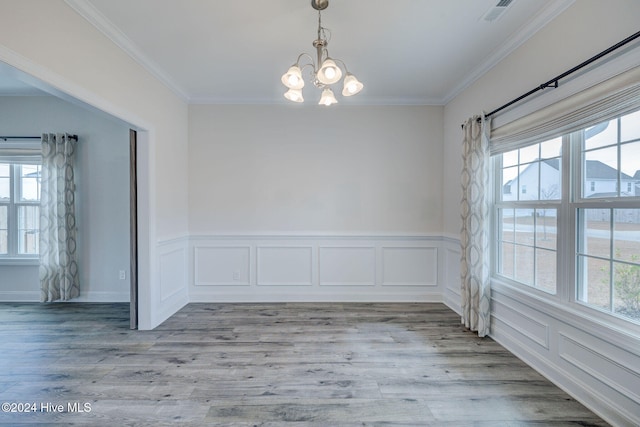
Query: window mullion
{"points": [[12, 220], [566, 223]]}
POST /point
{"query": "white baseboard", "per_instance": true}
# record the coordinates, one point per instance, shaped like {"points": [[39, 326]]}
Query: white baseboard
{"points": [[19, 296], [283, 296], [99, 296], [34, 296]]}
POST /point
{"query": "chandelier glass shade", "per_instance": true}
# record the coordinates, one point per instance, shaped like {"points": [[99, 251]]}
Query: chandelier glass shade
{"points": [[324, 71]]}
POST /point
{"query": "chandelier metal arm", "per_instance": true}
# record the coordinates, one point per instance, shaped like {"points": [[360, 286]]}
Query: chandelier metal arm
{"points": [[308, 56]]}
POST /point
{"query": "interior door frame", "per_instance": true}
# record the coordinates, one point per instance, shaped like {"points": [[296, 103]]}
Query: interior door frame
{"points": [[133, 228]]}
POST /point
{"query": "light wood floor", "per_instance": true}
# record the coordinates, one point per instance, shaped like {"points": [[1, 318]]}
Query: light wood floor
{"points": [[269, 365]]}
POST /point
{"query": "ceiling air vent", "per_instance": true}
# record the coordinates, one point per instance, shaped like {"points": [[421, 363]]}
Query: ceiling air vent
{"points": [[496, 11]]}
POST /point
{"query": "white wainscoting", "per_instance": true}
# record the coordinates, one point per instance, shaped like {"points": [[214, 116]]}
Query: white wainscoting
{"points": [[597, 363], [451, 273], [315, 268], [171, 292]]}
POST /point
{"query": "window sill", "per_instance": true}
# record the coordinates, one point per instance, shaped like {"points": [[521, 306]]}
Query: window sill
{"points": [[19, 261], [621, 332]]}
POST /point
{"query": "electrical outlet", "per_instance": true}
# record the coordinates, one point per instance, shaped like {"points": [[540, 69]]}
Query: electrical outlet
{"points": [[123, 275], [236, 276]]}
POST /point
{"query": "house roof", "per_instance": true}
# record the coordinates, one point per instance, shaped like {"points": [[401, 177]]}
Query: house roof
{"points": [[554, 163], [596, 170]]}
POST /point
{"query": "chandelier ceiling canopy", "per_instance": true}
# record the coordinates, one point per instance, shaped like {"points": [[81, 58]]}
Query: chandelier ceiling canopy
{"points": [[324, 71]]}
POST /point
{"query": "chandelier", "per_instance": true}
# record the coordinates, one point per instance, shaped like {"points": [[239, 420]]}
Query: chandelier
{"points": [[324, 70]]}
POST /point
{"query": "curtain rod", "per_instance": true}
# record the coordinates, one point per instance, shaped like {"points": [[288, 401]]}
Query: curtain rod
{"points": [[6, 138], [554, 82]]}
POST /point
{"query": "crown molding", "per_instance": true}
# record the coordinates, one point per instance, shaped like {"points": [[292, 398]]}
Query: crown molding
{"points": [[362, 101], [525, 33], [89, 12]]}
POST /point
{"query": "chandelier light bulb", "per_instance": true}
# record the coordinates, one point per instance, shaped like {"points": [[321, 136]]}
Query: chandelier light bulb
{"points": [[352, 85], [327, 98], [329, 72], [293, 78], [294, 95]]}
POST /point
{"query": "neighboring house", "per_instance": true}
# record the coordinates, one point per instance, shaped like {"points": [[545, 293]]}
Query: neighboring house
{"points": [[601, 181]]}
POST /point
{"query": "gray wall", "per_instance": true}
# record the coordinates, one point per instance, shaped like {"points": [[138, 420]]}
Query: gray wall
{"points": [[102, 180]]}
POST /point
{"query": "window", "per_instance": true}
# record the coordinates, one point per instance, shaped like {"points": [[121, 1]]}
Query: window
{"points": [[608, 238], [527, 226], [19, 210], [603, 262]]}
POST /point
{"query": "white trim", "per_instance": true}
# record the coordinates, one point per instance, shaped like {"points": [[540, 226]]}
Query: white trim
{"points": [[307, 235], [86, 296], [585, 321], [284, 293], [102, 296], [597, 402], [35, 261], [113, 33], [351, 102], [19, 296], [589, 370]]}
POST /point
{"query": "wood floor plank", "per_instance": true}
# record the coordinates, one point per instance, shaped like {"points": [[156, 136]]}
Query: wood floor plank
{"points": [[293, 364]]}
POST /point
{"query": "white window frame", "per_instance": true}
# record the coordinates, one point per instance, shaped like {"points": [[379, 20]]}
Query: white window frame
{"points": [[567, 286], [12, 257]]}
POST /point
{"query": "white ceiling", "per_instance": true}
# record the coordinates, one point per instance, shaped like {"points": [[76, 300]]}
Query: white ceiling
{"points": [[230, 51]]}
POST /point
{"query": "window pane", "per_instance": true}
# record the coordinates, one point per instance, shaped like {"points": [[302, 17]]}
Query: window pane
{"points": [[510, 158], [595, 235], [630, 178], [510, 183], [524, 226], [530, 153], [551, 148], [30, 182], [528, 181], [550, 179], [508, 224], [546, 228], [594, 282], [506, 259], [601, 134], [3, 230], [5, 190], [524, 264], [626, 283], [546, 270], [601, 167], [630, 127], [626, 235], [28, 229]]}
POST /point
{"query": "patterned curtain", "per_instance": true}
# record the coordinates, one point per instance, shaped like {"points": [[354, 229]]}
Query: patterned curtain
{"points": [[58, 265], [476, 293]]}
